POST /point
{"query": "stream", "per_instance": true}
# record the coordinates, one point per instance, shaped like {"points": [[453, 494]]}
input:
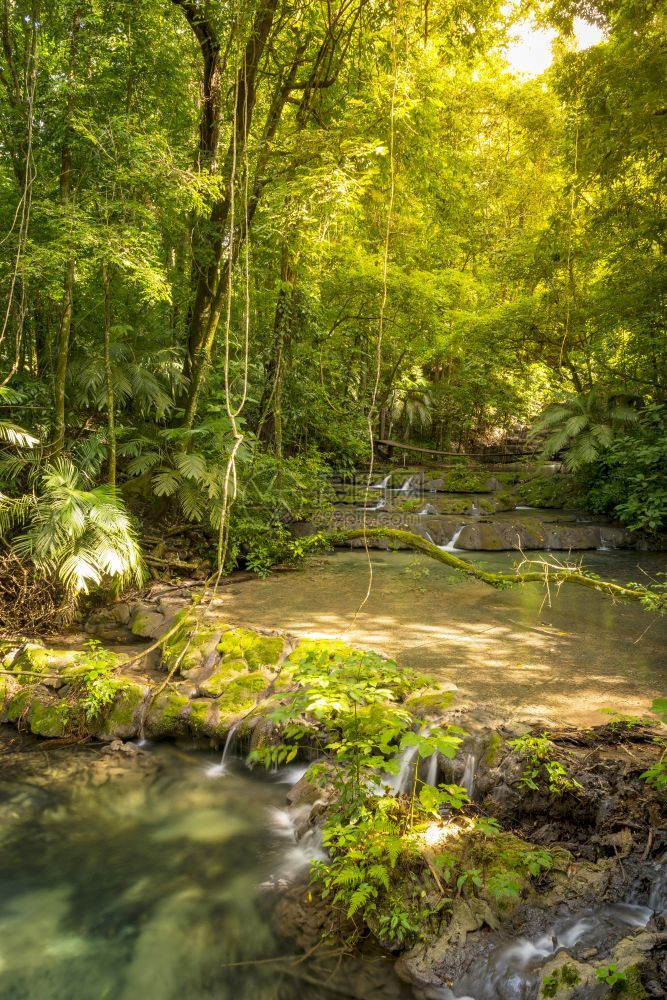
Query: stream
{"points": [[144, 876], [157, 873]]}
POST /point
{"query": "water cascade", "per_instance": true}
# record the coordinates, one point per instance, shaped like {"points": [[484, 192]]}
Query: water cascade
{"points": [[402, 782], [514, 969], [432, 771], [409, 485], [230, 743], [468, 780], [382, 485], [451, 544]]}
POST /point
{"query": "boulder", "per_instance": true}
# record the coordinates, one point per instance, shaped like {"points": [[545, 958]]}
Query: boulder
{"points": [[147, 622]]}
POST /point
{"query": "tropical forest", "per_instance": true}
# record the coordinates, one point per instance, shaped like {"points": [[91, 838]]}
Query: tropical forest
{"points": [[333, 500]]}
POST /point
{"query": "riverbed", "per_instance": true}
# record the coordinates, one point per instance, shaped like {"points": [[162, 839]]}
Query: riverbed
{"points": [[529, 654], [152, 874]]}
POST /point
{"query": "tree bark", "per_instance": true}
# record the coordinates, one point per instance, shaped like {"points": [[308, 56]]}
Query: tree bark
{"points": [[67, 309], [108, 376]]}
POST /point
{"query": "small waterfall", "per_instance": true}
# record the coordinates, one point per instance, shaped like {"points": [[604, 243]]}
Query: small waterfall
{"points": [[382, 485], [408, 484], [605, 544], [432, 772], [230, 743], [402, 782], [468, 780], [451, 544], [215, 770]]}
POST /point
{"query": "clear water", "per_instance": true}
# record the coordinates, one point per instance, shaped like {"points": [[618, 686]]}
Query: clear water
{"points": [[144, 880]]}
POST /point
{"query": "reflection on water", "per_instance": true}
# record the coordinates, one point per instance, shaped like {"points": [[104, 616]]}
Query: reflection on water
{"points": [[521, 653], [140, 878]]}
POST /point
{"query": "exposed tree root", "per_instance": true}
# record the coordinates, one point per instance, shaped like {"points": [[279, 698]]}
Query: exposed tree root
{"points": [[546, 574]]}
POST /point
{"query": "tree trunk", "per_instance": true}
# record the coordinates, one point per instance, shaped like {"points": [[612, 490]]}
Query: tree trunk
{"points": [[271, 427], [108, 376], [62, 343]]}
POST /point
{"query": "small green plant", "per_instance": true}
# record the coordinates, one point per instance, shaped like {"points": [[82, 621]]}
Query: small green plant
{"points": [[487, 825], [656, 774], [397, 925], [550, 984], [537, 862], [621, 722], [98, 685], [433, 799], [567, 975], [541, 767], [469, 877], [610, 975], [503, 885]]}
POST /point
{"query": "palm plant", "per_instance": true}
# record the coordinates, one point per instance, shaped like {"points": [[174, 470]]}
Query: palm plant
{"points": [[10, 432], [82, 536], [410, 401], [582, 426]]}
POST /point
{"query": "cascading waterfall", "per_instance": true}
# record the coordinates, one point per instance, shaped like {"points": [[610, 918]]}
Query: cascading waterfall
{"points": [[468, 780], [217, 769], [402, 782], [408, 484], [432, 771], [383, 484], [451, 544]]}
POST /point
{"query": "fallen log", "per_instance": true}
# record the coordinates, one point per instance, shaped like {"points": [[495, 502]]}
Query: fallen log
{"points": [[547, 573]]}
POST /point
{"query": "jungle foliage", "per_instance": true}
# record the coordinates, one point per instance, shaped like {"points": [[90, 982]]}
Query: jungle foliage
{"points": [[237, 237]]}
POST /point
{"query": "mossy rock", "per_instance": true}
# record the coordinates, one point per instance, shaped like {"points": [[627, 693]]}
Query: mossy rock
{"points": [[549, 491], [18, 704], [34, 658], [193, 645], [122, 719], [332, 647], [494, 749], [168, 717], [430, 705], [8, 688], [47, 717], [255, 649], [217, 683], [241, 694], [203, 717], [633, 988], [466, 481]]}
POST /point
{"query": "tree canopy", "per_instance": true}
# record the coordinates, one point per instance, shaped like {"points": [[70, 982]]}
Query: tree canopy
{"points": [[240, 236]]}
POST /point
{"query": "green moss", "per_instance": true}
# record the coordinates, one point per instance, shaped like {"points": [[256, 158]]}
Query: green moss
{"points": [[493, 750], [201, 718], [220, 678], [257, 650], [4, 693], [633, 988], [505, 501], [31, 660], [466, 481], [125, 705], [555, 491], [18, 704], [487, 505], [241, 694], [423, 705], [334, 647], [48, 719], [167, 715]]}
